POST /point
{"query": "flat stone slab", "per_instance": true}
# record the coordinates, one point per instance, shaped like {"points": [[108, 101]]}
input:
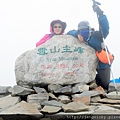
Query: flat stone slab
{"points": [[75, 107], [50, 109], [111, 101], [22, 108], [106, 110], [38, 98], [113, 95], [8, 101], [52, 103], [19, 90]]}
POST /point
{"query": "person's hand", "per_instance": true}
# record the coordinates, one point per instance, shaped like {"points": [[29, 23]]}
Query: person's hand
{"points": [[97, 10], [80, 37]]}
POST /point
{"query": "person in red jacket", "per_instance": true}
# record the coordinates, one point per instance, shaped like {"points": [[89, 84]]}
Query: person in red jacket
{"points": [[57, 27]]}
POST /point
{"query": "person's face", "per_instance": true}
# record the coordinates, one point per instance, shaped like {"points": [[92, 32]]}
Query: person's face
{"points": [[57, 28], [80, 37]]}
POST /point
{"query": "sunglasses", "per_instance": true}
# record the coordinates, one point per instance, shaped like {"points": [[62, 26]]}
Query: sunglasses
{"points": [[57, 26]]}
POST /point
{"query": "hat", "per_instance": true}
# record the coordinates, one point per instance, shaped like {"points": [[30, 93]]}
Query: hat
{"points": [[59, 21], [83, 25]]}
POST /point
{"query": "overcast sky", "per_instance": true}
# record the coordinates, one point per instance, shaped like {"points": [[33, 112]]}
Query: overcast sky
{"points": [[24, 22]]}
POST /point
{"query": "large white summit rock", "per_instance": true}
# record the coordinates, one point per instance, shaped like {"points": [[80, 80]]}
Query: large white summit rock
{"points": [[61, 60]]}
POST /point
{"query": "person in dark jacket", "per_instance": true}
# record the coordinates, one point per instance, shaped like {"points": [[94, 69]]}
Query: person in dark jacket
{"points": [[95, 40]]}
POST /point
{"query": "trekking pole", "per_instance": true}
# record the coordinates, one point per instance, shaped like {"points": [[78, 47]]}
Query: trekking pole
{"points": [[97, 3]]}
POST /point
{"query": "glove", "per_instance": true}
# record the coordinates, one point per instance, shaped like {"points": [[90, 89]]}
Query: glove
{"points": [[97, 10]]}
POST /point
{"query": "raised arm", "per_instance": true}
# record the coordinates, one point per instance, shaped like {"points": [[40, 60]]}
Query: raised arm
{"points": [[104, 25]]}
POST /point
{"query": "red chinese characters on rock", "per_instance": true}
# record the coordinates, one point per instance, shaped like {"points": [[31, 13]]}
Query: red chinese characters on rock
{"points": [[78, 65], [44, 66], [60, 66]]}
